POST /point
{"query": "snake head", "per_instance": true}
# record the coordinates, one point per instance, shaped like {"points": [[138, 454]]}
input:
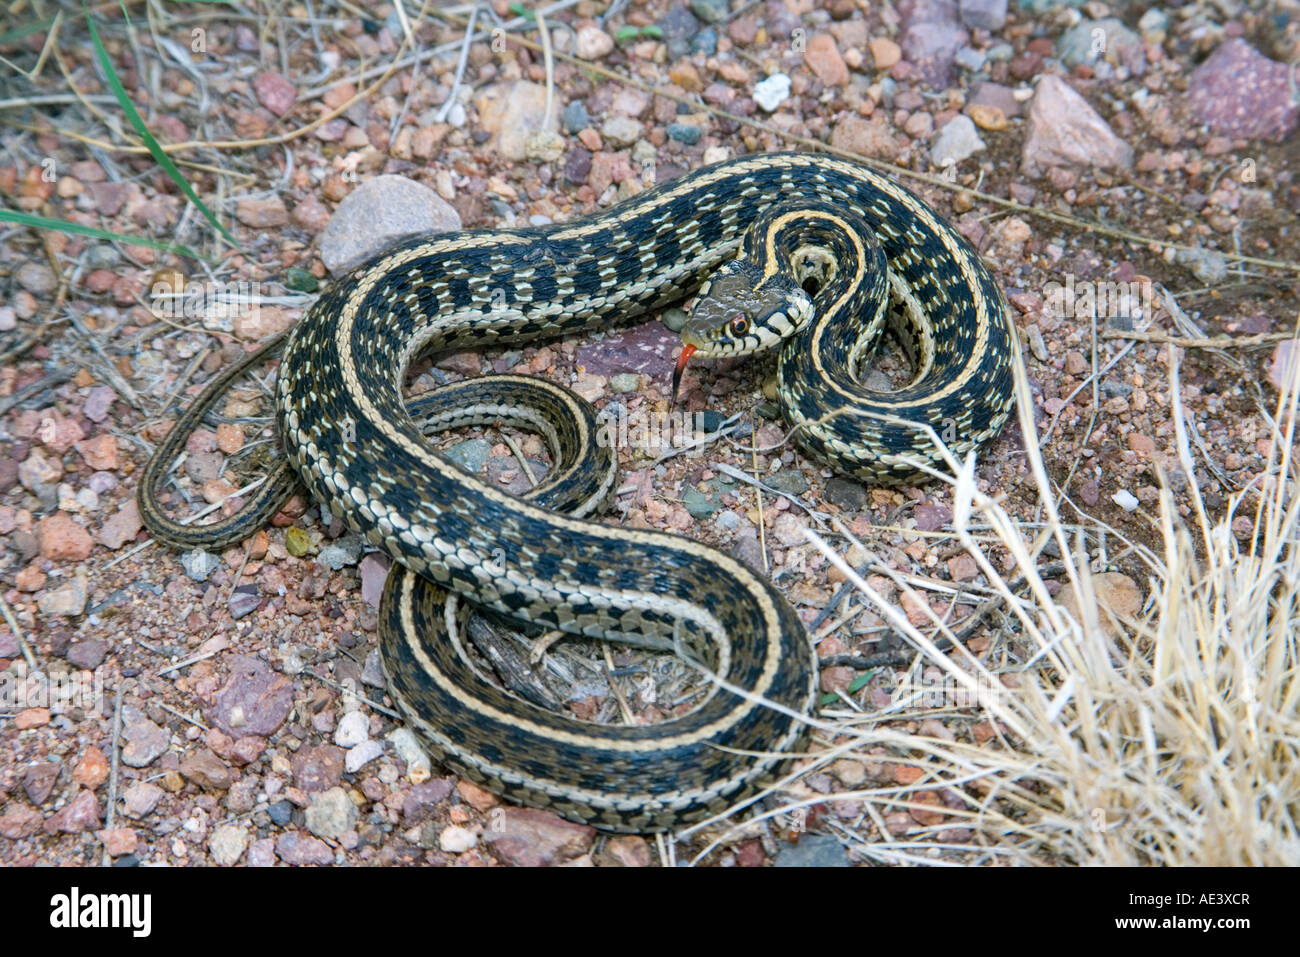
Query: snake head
{"points": [[738, 312]]}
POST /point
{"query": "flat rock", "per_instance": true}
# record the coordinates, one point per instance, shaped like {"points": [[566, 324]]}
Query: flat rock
{"points": [[1239, 92], [378, 213], [648, 349], [255, 700], [1065, 131]]}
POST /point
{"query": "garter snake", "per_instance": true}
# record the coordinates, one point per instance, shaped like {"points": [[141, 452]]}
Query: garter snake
{"points": [[853, 247]]}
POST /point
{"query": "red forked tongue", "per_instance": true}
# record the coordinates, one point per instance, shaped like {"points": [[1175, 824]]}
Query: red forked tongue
{"points": [[687, 352]]}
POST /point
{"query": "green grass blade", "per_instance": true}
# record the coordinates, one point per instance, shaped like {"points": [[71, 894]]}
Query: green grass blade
{"points": [[161, 158], [63, 226]]}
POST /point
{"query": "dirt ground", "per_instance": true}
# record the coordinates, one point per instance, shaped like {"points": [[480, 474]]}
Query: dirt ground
{"points": [[238, 714]]}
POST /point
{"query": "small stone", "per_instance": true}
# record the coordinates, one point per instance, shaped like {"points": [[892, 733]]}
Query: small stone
{"points": [[30, 718], [275, 92], [254, 700], [281, 813], [823, 58], [331, 814], [141, 798], [885, 53], [1125, 500], [1065, 130], [627, 850], [456, 840], [80, 814], [118, 841], [379, 213], [317, 769], [39, 780], [421, 801], [528, 837], [789, 481], [62, 539], [471, 455], [957, 141], [227, 844], [990, 15], [206, 770], [343, 553], [845, 494], [265, 213], [418, 768], [576, 117], [67, 601], [620, 132], [353, 728], [199, 564], [121, 527], [100, 452], [297, 848], [362, 754], [813, 850], [772, 92], [19, 822], [1241, 93], [684, 133], [92, 770], [592, 43]]}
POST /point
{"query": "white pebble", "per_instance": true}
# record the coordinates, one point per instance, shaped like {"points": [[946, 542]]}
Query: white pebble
{"points": [[455, 840], [772, 92], [353, 728], [1125, 500]]}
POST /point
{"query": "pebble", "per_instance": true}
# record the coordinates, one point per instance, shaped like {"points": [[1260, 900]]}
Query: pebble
{"points": [[377, 214], [823, 58], [697, 504], [18, 822], [1279, 367], [331, 814], [684, 133], [39, 779], [140, 799], [530, 837], [145, 741], [227, 844], [1239, 92], [80, 814], [678, 26], [990, 15], [592, 43], [206, 770], [884, 52], [957, 141], [418, 768], [1207, 265], [199, 564], [318, 768], [353, 728], [1105, 40], [244, 600], [1125, 500], [845, 494], [576, 117], [374, 570], [620, 132], [1065, 130], [471, 455], [37, 278], [297, 848], [513, 114], [772, 92], [254, 700], [361, 754], [62, 539], [790, 481], [275, 92], [67, 601], [118, 841], [710, 11], [266, 213], [930, 36], [281, 813], [343, 553], [456, 840], [88, 654], [813, 850]]}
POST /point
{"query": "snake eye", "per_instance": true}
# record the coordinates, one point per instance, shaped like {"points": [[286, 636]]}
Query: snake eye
{"points": [[739, 325]]}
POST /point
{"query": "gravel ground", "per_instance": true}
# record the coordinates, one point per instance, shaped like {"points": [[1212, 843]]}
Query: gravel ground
{"points": [[230, 707]]}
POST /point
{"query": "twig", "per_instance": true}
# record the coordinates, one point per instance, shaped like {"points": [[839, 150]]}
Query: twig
{"points": [[115, 766], [18, 636]]}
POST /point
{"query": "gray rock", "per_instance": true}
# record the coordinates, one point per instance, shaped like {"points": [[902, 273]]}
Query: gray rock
{"points": [[678, 25], [361, 755], [988, 15], [67, 601], [684, 133], [697, 504], [87, 654], [1208, 266], [281, 813], [576, 117], [930, 36], [710, 11], [746, 547], [624, 382], [379, 213], [227, 844], [845, 494], [813, 850], [331, 814], [342, 553], [471, 455], [955, 142], [789, 481], [145, 741], [1106, 40], [620, 132], [968, 58], [353, 728], [199, 564]]}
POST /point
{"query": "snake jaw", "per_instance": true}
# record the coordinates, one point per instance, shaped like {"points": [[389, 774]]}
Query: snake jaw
{"points": [[686, 353]]}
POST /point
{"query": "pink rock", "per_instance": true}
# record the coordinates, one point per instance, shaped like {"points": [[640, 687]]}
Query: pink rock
{"points": [[80, 814], [275, 92], [61, 538], [122, 527]]}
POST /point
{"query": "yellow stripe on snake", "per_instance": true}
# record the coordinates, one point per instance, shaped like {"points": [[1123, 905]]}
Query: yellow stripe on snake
{"points": [[802, 251]]}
